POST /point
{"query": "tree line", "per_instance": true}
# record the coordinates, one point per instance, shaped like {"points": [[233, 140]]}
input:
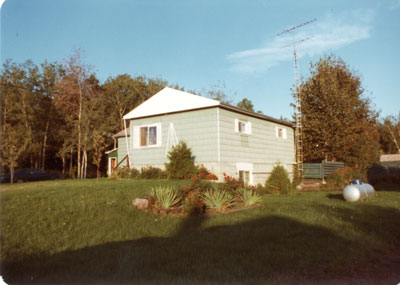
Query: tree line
{"points": [[58, 116]]}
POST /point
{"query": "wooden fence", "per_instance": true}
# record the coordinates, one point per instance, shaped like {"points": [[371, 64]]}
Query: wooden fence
{"points": [[320, 170]]}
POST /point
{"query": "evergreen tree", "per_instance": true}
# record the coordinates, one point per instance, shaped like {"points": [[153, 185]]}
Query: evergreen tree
{"points": [[181, 165]]}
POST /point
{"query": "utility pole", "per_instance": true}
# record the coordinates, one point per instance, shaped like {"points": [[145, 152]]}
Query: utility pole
{"points": [[297, 97]]}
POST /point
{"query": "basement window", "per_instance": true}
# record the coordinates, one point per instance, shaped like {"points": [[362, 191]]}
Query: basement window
{"points": [[245, 177]]}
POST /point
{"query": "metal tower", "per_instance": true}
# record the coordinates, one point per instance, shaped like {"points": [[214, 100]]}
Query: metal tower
{"points": [[297, 97]]}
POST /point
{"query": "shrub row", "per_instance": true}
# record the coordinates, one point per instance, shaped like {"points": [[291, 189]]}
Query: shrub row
{"points": [[145, 173]]}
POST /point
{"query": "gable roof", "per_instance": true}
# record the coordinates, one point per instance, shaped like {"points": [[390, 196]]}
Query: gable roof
{"points": [[170, 100], [122, 133]]}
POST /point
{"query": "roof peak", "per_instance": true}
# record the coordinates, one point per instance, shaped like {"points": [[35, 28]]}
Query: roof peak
{"points": [[170, 100]]}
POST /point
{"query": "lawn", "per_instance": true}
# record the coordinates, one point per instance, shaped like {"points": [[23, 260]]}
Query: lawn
{"points": [[69, 231]]}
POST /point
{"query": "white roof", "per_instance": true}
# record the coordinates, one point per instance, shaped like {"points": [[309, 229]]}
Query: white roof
{"points": [[170, 100], [390, 157]]}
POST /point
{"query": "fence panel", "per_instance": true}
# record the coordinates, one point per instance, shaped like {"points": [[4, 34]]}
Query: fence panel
{"points": [[330, 166], [312, 170], [320, 170]]}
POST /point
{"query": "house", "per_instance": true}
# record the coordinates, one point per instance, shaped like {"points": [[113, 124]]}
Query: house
{"points": [[118, 155], [392, 160], [223, 138]]}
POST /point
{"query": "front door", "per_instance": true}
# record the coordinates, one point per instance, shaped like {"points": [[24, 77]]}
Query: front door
{"points": [[113, 164]]}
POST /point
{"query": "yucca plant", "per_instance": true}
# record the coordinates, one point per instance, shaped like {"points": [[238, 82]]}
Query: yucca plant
{"points": [[217, 199], [248, 197], [165, 197]]}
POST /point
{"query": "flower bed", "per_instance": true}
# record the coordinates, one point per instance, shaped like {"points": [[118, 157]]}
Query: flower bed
{"points": [[201, 197]]}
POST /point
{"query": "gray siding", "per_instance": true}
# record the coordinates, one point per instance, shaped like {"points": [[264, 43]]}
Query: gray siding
{"points": [[197, 128], [210, 133], [122, 151], [261, 148]]}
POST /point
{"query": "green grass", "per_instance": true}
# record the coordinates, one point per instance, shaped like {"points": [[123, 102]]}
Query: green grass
{"points": [[87, 231]]}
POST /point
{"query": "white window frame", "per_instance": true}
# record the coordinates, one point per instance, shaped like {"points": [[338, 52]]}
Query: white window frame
{"points": [[281, 133], [137, 136], [247, 127], [245, 167]]}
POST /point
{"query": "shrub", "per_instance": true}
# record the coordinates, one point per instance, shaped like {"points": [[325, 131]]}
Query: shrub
{"points": [[230, 184], [341, 177], [124, 172], [249, 197], [165, 197], [260, 189], [192, 203], [134, 173], [296, 177], [217, 200], [204, 173], [150, 172], [181, 165], [197, 185], [279, 181]]}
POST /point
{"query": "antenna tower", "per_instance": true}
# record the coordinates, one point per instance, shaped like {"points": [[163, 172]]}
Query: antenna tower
{"points": [[298, 111]]}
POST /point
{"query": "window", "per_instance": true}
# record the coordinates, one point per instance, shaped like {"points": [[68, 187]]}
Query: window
{"points": [[280, 133], [147, 136], [245, 177], [242, 126]]}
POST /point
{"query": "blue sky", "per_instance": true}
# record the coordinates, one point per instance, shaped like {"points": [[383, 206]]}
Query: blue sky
{"points": [[200, 44]]}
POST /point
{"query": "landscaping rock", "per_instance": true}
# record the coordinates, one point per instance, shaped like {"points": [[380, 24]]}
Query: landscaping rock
{"points": [[140, 203]]}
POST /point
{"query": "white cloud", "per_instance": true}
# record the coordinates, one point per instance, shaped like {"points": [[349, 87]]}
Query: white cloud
{"points": [[329, 33]]}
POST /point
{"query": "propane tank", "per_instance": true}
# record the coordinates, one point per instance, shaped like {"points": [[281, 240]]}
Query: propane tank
{"points": [[357, 191]]}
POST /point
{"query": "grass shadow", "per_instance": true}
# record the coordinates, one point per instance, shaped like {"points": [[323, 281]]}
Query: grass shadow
{"points": [[272, 249], [335, 197]]}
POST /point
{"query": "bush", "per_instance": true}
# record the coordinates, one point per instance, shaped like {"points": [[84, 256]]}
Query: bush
{"points": [[341, 177], [196, 185], [230, 185], [192, 203], [150, 172], [249, 197], [218, 200], [279, 181], [165, 197], [204, 173], [124, 172], [181, 165]]}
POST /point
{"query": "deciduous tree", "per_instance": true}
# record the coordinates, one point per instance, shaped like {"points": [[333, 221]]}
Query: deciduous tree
{"points": [[246, 104], [338, 120]]}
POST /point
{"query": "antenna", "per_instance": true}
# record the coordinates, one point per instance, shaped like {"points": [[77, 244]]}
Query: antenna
{"points": [[297, 112]]}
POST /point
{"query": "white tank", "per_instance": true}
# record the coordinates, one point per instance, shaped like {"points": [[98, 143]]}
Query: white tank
{"points": [[355, 192]]}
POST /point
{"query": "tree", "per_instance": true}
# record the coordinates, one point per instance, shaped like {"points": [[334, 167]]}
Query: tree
{"points": [[218, 92], [181, 165], [124, 93], [246, 104], [73, 92], [338, 122], [16, 131], [390, 134]]}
